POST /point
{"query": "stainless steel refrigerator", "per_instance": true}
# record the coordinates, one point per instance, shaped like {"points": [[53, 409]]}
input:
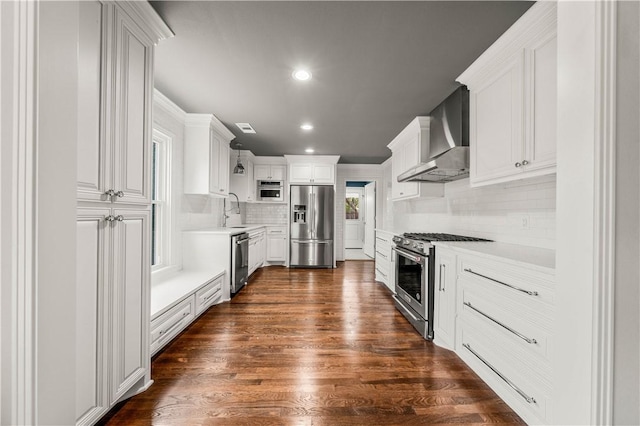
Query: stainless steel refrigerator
{"points": [[312, 213]]}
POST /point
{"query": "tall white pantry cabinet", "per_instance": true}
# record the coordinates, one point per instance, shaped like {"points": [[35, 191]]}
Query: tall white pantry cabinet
{"points": [[115, 87]]}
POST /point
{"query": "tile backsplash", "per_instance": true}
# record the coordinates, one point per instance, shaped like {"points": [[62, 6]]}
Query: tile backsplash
{"points": [[521, 212], [264, 213]]}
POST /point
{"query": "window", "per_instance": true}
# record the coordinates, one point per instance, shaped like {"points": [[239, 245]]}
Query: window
{"points": [[160, 207], [352, 206]]}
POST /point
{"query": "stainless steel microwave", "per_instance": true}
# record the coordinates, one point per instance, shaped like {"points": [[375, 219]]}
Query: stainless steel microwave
{"points": [[270, 190]]}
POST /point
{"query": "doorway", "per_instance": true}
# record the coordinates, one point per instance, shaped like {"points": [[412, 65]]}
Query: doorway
{"points": [[359, 220]]}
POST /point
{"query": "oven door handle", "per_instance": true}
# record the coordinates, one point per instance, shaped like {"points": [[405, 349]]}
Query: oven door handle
{"points": [[416, 258]]}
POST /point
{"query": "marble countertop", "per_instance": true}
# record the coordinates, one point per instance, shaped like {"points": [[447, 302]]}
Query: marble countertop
{"points": [[234, 230]]}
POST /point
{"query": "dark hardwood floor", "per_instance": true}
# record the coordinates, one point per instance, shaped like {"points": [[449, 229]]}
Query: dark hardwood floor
{"points": [[310, 347]]}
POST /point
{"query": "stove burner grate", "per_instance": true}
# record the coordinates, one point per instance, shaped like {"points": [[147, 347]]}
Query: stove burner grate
{"points": [[421, 236]]}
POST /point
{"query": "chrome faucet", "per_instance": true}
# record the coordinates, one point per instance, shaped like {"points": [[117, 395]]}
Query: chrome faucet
{"points": [[225, 216]]}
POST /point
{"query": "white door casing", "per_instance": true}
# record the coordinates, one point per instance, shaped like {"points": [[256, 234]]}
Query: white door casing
{"points": [[369, 219]]}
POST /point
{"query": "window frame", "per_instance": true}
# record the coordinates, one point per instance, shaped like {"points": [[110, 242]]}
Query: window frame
{"points": [[163, 191]]}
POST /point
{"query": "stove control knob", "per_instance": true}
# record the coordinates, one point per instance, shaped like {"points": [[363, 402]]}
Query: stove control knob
{"points": [[406, 242], [415, 245], [419, 246]]}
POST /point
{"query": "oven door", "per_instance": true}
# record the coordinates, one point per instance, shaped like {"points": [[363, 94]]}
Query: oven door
{"points": [[412, 271]]}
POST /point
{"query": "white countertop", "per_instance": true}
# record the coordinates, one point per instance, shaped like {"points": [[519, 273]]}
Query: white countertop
{"points": [[238, 229], [543, 259]]}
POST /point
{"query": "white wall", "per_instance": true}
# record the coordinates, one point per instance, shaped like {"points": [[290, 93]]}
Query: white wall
{"points": [[521, 212]]}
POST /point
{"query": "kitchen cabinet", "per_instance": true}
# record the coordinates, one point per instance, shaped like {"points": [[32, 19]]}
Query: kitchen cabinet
{"points": [[270, 172], [244, 186], [385, 259], [512, 101], [115, 82], [312, 173], [112, 307], [256, 249], [504, 330], [408, 149], [276, 250], [206, 155], [445, 298]]}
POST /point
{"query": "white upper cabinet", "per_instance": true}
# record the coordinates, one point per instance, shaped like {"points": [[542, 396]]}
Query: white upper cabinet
{"points": [[512, 102], [206, 155], [270, 172], [316, 169], [407, 150], [114, 83]]}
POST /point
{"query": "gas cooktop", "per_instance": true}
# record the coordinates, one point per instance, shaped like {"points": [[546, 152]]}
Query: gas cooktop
{"points": [[420, 236]]}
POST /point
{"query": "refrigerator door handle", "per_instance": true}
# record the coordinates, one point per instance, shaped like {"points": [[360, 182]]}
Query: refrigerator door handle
{"points": [[311, 241]]}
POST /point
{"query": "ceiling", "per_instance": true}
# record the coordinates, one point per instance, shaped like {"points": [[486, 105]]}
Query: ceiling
{"points": [[376, 65]]}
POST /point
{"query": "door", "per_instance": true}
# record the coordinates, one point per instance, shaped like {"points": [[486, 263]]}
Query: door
{"points": [[322, 212], [301, 213], [130, 322], [354, 218], [92, 277], [369, 219]]}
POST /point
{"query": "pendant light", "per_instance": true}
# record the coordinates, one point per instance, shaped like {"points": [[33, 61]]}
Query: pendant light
{"points": [[239, 168]]}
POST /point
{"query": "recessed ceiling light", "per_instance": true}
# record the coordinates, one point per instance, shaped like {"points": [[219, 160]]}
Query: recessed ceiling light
{"points": [[306, 126], [245, 127], [309, 150], [302, 75]]}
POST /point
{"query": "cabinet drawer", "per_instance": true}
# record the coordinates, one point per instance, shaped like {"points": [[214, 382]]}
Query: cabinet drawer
{"points": [[383, 275], [520, 327], [208, 295], [277, 230], [528, 286], [523, 384], [382, 246], [171, 323]]}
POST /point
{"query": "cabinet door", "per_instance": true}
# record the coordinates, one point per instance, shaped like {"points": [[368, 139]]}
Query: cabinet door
{"points": [[253, 254], [445, 298], [214, 167], [401, 190], [223, 168], [93, 153], [92, 277], [262, 171], [278, 172], [276, 248], [323, 173], [541, 151], [132, 129], [130, 285], [496, 123], [300, 173]]}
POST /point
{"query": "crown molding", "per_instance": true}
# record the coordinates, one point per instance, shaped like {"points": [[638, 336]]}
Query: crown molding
{"points": [[167, 105]]}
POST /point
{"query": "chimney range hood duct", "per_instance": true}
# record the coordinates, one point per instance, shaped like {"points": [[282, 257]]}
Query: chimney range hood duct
{"points": [[447, 158]]}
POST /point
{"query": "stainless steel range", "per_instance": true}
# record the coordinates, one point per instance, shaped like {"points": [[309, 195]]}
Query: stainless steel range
{"points": [[415, 266]]}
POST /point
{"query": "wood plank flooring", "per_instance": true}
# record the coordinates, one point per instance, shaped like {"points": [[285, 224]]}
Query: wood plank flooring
{"points": [[310, 347]]}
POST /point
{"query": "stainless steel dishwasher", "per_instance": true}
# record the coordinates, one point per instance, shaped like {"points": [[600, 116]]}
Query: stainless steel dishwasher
{"points": [[239, 261]]}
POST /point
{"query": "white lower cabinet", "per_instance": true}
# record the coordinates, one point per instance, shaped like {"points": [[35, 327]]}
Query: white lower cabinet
{"points": [[504, 330], [256, 249], [112, 333], [385, 259], [276, 250], [171, 323], [444, 324]]}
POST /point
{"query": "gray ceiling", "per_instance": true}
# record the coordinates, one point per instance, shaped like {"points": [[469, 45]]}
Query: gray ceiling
{"points": [[376, 65]]}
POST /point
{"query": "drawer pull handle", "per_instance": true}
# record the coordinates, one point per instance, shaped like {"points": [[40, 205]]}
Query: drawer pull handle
{"points": [[526, 397], [382, 255], [530, 293], [174, 326], [520, 335]]}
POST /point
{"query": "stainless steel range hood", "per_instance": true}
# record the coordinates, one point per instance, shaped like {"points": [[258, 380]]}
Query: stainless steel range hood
{"points": [[447, 158]]}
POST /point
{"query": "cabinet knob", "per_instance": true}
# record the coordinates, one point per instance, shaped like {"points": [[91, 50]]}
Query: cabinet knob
{"points": [[525, 162], [119, 218], [119, 194], [109, 218], [518, 164], [110, 193]]}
